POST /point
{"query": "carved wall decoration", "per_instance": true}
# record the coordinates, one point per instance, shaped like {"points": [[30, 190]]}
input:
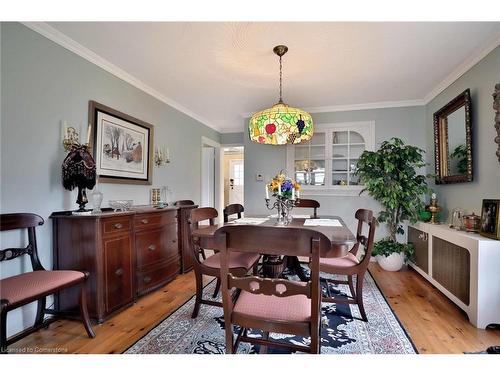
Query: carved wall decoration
{"points": [[496, 107]]}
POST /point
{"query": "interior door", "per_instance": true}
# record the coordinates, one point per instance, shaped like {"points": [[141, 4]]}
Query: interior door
{"points": [[236, 178]]}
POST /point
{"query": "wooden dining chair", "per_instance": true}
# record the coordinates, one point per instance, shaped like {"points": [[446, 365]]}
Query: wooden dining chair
{"points": [[309, 203], [34, 286], [185, 202], [350, 266], [271, 304], [233, 209], [240, 263]]}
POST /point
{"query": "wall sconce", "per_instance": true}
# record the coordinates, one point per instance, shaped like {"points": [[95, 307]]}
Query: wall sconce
{"points": [[71, 136], [162, 156]]}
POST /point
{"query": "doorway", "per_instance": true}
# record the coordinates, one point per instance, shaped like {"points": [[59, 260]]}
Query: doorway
{"points": [[211, 175], [233, 175]]}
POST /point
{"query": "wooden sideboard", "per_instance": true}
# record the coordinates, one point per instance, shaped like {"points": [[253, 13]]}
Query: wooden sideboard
{"points": [[463, 266], [127, 254]]}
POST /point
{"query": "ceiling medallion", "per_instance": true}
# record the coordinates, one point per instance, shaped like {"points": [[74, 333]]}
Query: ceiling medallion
{"points": [[280, 124]]}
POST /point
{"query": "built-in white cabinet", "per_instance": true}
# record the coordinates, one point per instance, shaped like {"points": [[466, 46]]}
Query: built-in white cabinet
{"points": [[464, 266]]}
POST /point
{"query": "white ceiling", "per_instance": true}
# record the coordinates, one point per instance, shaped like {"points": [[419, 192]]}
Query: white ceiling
{"points": [[217, 72]]}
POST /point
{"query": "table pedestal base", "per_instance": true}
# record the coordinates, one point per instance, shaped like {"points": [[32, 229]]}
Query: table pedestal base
{"points": [[273, 266]]}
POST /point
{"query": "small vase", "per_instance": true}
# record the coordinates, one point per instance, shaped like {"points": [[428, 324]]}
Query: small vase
{"points": [[96, 200]]}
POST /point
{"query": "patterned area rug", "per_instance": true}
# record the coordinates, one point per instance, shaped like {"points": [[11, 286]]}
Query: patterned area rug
{"points": [[342, 331]]}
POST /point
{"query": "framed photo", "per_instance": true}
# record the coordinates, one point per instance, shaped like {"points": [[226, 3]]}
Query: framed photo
{"points": [[490, 219], [122, 146]]}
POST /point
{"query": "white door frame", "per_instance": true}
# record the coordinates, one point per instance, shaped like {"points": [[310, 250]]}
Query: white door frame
{"points": [[219, 177]]}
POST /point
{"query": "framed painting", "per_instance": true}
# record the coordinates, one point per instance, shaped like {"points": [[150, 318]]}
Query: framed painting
{"points": [[490, 219], [122, 146]]}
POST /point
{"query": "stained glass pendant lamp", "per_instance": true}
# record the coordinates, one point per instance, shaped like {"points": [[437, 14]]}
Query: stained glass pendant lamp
{"points": [[280, 124]]}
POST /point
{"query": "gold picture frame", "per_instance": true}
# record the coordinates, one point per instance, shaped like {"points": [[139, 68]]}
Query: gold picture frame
{"points": [[490, 219]]}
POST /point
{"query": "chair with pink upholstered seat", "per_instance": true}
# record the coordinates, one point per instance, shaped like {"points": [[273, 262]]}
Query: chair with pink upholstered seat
{"points": [[350, 266], [19, 290], [271, 304], [240, 263]]}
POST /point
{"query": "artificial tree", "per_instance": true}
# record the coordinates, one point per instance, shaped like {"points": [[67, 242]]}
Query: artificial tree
{"points": [[390, 175]]}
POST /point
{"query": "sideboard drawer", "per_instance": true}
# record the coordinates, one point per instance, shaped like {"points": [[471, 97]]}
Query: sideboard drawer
{"points": [[151, 247], [147, 221], [116, 225], [155, 276]]}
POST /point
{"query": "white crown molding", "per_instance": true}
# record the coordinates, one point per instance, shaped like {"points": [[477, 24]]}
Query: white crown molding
{"points": [[63, 40], [362, 106], [463, 68], [231, 130], [356, 107]]}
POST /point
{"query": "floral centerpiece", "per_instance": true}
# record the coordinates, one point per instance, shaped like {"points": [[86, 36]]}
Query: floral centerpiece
{"points": [[287, 193], [283, 186]]}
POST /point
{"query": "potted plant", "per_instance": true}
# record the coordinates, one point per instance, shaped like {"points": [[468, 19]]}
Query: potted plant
{"points": [[390, 176]]}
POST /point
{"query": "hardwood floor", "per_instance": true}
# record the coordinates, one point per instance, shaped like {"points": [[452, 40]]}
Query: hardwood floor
{"points": [[435, 324]]}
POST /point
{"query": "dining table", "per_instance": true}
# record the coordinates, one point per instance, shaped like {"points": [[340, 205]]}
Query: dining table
{"points": [[340, 236]]}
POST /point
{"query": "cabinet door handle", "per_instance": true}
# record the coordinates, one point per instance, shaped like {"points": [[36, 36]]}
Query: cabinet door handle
{"points": [[144, 221], [151, 247], [119, 272], [118, 225], [146, 279], [174, 241]]}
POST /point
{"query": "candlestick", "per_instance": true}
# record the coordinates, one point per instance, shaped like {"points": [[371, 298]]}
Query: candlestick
{"points": [[293, 194], [279, 190], [267, 191], [298, 194]]}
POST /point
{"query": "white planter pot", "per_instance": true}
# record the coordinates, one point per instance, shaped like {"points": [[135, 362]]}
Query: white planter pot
{"points": [[393, 262]]}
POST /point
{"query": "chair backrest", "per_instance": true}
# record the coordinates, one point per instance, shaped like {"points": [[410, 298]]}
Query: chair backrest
{"points": [[201, 214], [308, 203], [22, 221], [197, 215], [273, 241], [365, 218], [185, 202], [233, 209]]}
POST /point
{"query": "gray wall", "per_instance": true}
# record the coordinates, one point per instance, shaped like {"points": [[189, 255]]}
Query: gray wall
{"points": [[43, 84], [231, 138], [405, 122], [481, 80]]}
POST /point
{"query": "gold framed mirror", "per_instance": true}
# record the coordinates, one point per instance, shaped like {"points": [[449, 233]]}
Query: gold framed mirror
{"points": [[453, 141]]}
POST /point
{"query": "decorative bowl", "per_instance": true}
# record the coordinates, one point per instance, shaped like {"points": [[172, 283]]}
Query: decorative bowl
{"points": [[120, 205]]}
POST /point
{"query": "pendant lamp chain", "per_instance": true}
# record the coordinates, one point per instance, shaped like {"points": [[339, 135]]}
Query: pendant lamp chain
{"points": [[281, 84]]}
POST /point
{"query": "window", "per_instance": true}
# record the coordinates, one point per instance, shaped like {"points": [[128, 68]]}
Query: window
{"points": [[326, 164], [237, 175]]}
